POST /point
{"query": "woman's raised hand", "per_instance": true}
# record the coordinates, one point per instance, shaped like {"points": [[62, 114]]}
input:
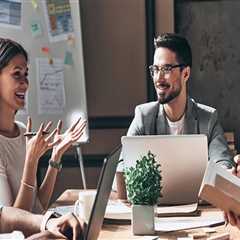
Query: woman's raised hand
{"points": [[65, 140], [37, 145]]}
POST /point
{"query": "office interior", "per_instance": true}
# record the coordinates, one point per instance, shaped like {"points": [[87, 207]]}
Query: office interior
{"points": [[118, 47]]}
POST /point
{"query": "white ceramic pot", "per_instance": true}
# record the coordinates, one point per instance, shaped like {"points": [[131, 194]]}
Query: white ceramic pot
{"points": [[142, 220]]}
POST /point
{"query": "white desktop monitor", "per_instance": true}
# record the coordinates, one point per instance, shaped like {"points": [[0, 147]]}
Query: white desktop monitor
{"points": [[183, 160]]}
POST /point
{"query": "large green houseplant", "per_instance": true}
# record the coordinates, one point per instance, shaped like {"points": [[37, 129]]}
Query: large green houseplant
{"points": [[143, 183]]}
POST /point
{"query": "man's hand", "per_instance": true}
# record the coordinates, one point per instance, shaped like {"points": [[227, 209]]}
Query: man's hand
{"points": [[231, 217], [66, 227], [236, 170]]}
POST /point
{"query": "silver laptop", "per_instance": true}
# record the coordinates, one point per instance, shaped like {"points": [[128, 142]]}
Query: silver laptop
{"points": [[103, 191], [183, 160]]}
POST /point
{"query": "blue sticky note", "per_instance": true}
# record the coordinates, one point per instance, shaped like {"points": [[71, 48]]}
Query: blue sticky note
{"points": [[68, 59]]}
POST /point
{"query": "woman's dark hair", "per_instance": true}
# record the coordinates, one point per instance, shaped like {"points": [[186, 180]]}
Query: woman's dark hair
{"points": [[8, 50], [178, 44]]}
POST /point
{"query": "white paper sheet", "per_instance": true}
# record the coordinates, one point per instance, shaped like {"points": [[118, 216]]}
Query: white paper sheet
{"points": [[11, 13], [118, 210], [166, 224], [178, 209], [50, 86]]}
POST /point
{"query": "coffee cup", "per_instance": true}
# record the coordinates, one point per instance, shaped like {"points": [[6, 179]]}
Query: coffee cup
{"points": [[83, 206]]}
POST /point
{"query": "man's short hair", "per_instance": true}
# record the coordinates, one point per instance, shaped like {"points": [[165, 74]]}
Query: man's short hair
{"points": [[178, 44]]}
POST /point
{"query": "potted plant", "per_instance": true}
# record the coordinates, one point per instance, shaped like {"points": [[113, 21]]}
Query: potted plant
{"points": [[143, 183]]}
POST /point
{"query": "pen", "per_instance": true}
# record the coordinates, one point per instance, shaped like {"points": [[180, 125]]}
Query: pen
{"points": [[31, 134]]}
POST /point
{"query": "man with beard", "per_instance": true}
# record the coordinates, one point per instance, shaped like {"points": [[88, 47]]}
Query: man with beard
{"points": [[175, 112]]}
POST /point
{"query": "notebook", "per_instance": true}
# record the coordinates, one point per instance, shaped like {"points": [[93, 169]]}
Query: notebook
{"points": [[93, 228], [183, 160]]}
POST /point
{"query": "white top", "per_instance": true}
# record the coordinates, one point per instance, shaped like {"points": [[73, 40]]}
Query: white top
{"points": [[176, 128], [12, 157]]}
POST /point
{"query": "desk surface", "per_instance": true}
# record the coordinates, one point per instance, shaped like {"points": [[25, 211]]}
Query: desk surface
{"points": [[123, 231]]}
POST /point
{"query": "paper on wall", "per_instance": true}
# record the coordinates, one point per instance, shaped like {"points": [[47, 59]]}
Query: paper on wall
{"points": [[59, 19], [11, 13], [50, 86]]}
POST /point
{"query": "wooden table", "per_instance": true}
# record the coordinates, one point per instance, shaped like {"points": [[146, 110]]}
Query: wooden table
{"points": [[123, 231]]}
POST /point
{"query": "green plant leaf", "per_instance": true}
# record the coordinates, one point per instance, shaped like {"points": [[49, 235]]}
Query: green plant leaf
{"points": [[143, 182]]}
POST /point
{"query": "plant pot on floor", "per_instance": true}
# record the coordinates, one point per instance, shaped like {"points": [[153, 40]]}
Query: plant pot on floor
{"points": [[142, 219]]}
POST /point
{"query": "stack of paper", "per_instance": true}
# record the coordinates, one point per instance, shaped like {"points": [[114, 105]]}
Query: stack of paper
{"points": [[165, 224]]}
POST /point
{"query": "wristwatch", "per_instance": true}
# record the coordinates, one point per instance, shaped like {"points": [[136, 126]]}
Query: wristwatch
{"points": [[55, 164], [48, 215]]}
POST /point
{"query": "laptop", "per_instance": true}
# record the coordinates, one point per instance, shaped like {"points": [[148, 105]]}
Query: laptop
{"points": [[103, 192], [94, 225], [183, 160]]}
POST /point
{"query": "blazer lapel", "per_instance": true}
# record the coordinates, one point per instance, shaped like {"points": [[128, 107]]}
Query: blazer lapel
{"points": [[161, 123], [191, 119]]}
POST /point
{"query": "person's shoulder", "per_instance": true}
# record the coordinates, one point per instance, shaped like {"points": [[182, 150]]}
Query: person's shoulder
{"points": [[204, 108], [146, 107]]}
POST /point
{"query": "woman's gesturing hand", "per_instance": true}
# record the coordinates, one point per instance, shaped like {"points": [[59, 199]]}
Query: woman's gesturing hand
{"points": [[65, 140], [37, 145]]}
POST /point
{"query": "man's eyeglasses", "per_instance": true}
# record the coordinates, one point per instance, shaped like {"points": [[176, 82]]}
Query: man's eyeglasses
{"points": [[163, 70]]}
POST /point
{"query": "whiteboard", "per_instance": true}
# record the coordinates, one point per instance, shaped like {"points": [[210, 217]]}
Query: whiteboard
{"points": [[73, 99]]}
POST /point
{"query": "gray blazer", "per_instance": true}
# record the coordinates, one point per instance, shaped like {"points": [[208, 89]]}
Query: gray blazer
{"points": [[150, 119]]}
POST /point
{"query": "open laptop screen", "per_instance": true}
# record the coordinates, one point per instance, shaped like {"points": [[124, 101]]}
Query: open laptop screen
{"points": [[103, 191]]}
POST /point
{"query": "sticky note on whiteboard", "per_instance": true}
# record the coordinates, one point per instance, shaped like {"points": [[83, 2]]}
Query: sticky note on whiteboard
{"points": [[36, 29], [68, 59]]}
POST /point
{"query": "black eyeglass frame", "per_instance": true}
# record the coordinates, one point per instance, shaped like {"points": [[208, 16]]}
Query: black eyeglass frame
{"points": [[165, 69]]}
